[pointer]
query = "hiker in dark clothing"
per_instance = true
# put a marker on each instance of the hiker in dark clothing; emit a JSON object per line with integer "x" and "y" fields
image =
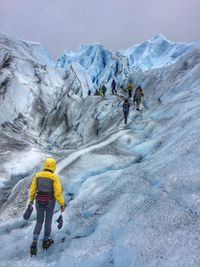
{"x": 96, "y": 92}
{"x": 126, "y": 106}
{"x": 138, "y": 97}
{"x": 113, "y": 85}
{"x": 104, "y": 89}
{"x": 89, "y": 92}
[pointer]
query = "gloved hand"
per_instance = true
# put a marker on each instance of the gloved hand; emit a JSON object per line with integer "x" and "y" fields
{"x": 60, "y": 221}
{"x": 28, "y": 212}
{"x": 62, "y": 208}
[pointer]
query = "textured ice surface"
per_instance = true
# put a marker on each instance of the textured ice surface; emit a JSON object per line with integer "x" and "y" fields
{"x": 132, "y": 191}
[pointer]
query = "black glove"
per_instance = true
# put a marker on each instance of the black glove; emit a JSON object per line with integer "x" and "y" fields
{"x": 27, "y": 213}
{"x": 60, "y": 221}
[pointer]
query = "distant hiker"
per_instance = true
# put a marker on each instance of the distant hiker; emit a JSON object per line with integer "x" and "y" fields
{"x": 89, "y": 92}
{"x": 104, "y": 89}
{"x": 46, "y": 190}
{"x": 129, "y": 88}
{"x": 126, "y": 106}
{"x": 138, "y": 97}
{"x": 113, "y": 85}
{"x": 100, "y": 92}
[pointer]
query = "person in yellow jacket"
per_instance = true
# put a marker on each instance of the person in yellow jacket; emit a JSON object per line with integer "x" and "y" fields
{"x": 46, "y": 190}
{"x": 129, "y": 88}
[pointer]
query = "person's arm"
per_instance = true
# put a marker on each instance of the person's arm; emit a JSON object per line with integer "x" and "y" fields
{"x": 58, "y": 191}
{"x": 33, "y": 190}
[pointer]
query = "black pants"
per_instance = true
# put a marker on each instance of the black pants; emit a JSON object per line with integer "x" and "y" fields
{"x": 125, "y": 116}
{"x": 129, "y": 93}
{"x": 114, "y": 91}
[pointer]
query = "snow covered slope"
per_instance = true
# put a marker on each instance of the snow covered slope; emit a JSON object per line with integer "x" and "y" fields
{"x": 156, "y": 53}
{"x": 100, "y": 63}
{"x": 27, "y": 81}
{"x": 94, "y": 58}
{"x": 132, "y": 192}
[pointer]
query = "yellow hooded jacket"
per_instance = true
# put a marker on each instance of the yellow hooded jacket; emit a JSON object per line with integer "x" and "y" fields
{"x": 46, "y": 181}
{"x": 129, "y": 86}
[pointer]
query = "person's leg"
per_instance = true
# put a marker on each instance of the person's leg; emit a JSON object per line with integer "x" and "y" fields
{"x": 139, "y": 102}
{"x": 136, "y": 104}
{"x": 48, "y": 219}
{"x": 125, "y": 117}
{"x": 40, "y": 219}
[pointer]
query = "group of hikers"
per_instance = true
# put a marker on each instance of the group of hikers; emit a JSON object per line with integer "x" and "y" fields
{"x": 137, "y": 98}
{"x": 102, "y": 90}
{"x": 46, "y": 188}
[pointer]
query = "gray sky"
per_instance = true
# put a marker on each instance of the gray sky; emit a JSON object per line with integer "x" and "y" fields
{"x": 117, "y": 24}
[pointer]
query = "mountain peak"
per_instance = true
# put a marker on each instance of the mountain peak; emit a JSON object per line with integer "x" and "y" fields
{"x": 159, "y": 36}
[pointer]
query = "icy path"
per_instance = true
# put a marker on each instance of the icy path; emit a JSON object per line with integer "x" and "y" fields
{"x": 20, "y": 231}
{"x": 130, "y": 202}
{"x": 74, "y": 156}
{"x": 133, "y": 200}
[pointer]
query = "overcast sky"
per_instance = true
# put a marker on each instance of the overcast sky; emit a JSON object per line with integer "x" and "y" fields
{"x": 117, "y": 24}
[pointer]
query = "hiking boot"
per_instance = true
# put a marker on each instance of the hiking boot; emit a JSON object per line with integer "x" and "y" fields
{"x": 33, "y": 248}
{"x": 138, "y": 109}
{"x": 46, "y": 244}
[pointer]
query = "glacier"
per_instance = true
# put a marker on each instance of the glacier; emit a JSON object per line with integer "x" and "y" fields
{"x": 132, "y": 191}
